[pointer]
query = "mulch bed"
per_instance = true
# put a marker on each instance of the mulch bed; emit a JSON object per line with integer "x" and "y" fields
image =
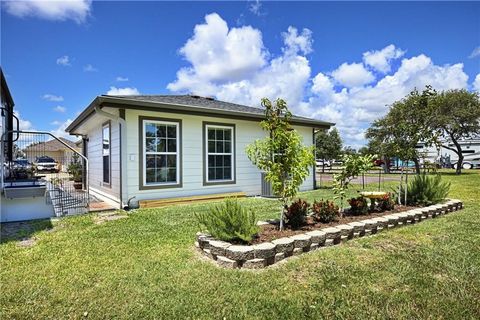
{"x": 271, "y": 232}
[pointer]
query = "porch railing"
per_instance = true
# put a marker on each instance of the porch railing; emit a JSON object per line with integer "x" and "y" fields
{"x": 40, "y": 160}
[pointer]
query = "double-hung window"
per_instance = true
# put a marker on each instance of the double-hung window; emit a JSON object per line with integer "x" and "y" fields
{"x": 219, "y": 162}
{"x": 106, "y": 153}
{"x": 161, "y": 153}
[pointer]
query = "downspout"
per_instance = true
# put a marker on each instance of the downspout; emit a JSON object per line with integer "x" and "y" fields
{"x": 122, "y": 138}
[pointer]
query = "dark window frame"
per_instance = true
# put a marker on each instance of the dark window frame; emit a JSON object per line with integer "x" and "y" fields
{"x": 205, "y": 153}
{"x": 142, "y": 154}
{"x": 108, "y": 125}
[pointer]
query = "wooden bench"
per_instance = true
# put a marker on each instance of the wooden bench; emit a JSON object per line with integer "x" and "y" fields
{"x": 157, "y": 203}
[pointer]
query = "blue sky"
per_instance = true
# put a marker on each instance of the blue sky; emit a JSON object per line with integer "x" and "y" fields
{"x": 337, "y": 61}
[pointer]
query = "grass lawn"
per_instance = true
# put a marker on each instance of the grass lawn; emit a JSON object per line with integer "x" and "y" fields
{"x": 145, "y": 267}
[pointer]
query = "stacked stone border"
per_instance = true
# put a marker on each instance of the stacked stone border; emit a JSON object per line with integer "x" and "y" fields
{"x": 267, "y": 253}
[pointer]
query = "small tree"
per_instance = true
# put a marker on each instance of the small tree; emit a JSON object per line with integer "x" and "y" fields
{"x": 457, "y": 116}
{"x": 283, "y": 157}
{"x": 328, "y": 145}
{"x": 353, "y": 166}
{"x": 407, "y": 123}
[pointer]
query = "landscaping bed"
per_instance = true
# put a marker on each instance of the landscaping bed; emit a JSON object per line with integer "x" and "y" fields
{"x": 267, "y": 253}
{"x": 270, "y": 231}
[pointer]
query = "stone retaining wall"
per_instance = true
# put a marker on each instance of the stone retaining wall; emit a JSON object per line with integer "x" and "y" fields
{"x": 267, "y": 253}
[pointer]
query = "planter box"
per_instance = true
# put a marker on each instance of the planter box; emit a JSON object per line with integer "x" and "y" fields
{"x": 267, "y": 253}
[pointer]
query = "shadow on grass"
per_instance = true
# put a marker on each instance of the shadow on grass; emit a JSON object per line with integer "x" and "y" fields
{"x": 15, "y": 231}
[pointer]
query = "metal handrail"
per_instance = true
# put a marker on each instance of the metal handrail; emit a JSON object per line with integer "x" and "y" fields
{"x": 18, "y": 122}
{"x": 54, "y": 137}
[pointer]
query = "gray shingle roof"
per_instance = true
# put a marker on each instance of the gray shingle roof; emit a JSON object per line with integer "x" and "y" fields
{"x": 51, "y": 145}
{"x": 187, "y": 104}
{"x": 198, "y": 101}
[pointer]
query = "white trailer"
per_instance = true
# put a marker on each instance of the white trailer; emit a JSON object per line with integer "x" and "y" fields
{"x": 448, "y": 158}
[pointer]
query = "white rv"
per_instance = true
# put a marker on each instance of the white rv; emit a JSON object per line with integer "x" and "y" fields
{"x": 448, "y": 158}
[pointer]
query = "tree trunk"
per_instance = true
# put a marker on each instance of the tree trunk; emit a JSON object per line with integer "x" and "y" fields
{"x": 458, "y": 151}
{"x": 386, "y": 165}
{"x": 417, "y": 165}
{"x": 459, "y": 164}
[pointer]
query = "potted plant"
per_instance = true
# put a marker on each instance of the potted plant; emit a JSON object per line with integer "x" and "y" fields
{"x": 77, "y": 180}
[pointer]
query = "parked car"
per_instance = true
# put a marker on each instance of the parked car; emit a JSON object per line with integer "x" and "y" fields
{"x": 378, "y": 162}
{"x": 45, "y": 163}
{"x": 322, "y": 162}
{"x": 21, "y": 164}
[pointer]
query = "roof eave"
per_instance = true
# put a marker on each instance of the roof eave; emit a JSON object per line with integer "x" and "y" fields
{"x": 179, "y": 108}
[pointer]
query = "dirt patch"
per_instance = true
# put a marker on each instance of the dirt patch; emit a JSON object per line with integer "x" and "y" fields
{"x": 269, "y": 232}
{"x": 27, "y": 242}
{"x": 110, "y": 216}
{"x": 23, "y": 231}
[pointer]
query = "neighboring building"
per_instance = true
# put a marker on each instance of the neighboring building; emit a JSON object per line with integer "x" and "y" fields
{"x": 53, "y": 149}
{"x": 166, "y": 146}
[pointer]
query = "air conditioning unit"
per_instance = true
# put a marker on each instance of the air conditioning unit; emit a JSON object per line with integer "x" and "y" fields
{"x": 266, "y": 187}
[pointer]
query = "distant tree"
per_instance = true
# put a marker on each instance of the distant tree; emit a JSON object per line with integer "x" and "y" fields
{"x": 457, "y": 116}
{"x": 282, "y": 155}
{"x": 408, "y": 122}
{"x": 347, "y": 150}
{"x": 328, "y": 145}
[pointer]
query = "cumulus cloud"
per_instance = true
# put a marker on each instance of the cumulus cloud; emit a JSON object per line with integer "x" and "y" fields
{"x": 217, "y": 54}
{"x": 121, "y": 79}
{"x": 64, "y": 61}
{"x": 476, "y": 83}
{"x": 60, "y": 130}
{"x": 127, "y": 91}
{"x": 55, "y": 10}
{"x": 380, "y": 60}
{"x": 60, "y": 109}
{"x": 23, "y": 124}
{"x": 352, "y": 95}
{"x": 89, "y": 68}
{"x": 52, "y": 97}
{"x": 352, "y": 75}
{"x": 232, "y": 64}
{"x": 475, "y": 53}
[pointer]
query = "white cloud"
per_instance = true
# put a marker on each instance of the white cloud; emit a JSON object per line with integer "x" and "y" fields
{"x": 476, "y": 83}
{"x": 127, "y": 91}
{"x": 56, "y": 10}
{"x": 298, "y": 42}
{"x": 217, "y": 54}
{"x": 60, "y": 130}
{"x": 380, "y": 59}
{"x": 89, "y": 68}
{"x": 64, "y": 61}
{"x": 350, "y": 96}
{"x": 233, "y": 64}
{"x": 52, "y": 97}
{"x": 23, "y": 124}
{"x": 352, "y": 75}
{"x": 256, "y": 8}
{"x": 55, "y": 123}
{"x": 121, "y": 79}
{"x": 60, "y": 109}
{"x": 475, "y": 53}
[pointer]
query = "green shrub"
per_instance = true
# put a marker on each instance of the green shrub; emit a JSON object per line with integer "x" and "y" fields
{"x": 296, "y": 213}
{"x": 426, "y": 190}
{"x": 358, "y": 206}
{"x": 324, "y": 211}
{"x": 229, "y": 221}
{"x": 387, "y": 202}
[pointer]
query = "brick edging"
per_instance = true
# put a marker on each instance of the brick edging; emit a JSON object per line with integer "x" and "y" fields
{"x": 267, "y": 253}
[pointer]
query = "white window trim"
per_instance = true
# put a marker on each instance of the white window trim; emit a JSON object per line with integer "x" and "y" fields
{"x": 177, "y": 153}
{"x": 231, "y": 154}
{"x": 108, "y": 125}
